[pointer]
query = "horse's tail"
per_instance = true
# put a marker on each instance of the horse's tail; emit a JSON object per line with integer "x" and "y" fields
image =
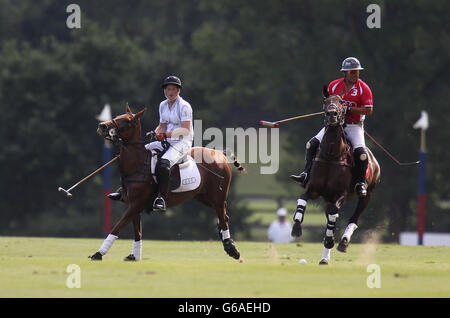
{"x": 236, "y": 163}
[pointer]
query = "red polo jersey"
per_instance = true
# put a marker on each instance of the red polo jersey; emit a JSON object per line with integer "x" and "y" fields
{"x": 359, "y": 95}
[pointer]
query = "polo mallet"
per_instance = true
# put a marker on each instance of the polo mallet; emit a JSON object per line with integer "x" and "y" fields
{"x": 275, "y": 124}
{"x": 391, "y": 156}
{"x": 67, "y": 192}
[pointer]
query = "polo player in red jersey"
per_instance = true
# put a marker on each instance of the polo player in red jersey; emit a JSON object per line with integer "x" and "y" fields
{"x": 358, "y": 101}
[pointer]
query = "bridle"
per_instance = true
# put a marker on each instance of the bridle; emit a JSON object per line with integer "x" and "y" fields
{"x": 115, "y": 132}
{"x": 336, "y": 116}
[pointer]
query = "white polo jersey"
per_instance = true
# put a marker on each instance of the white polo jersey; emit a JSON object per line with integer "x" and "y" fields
{"x": 180, "y": 111}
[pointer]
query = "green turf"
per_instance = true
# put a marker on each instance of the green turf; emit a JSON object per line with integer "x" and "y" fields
{"x": 264, "y": 218}
{"x": 36, "y": 267}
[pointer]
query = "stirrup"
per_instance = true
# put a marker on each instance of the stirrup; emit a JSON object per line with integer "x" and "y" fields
{"x": 159, "y": 206}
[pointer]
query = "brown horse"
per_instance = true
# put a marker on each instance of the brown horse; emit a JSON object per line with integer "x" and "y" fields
{"x": 140, "y": 189}
{"x": 332, "y": 178}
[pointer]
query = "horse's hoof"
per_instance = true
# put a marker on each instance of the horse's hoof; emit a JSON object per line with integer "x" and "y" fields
{"x": 342, "y": 247}
{"x": 324, "y": 261}
{"x": 230, "y": 248}
{"x": 296, "y": 229}
{"x": 96, "y": 257}
{"x": 130, "y": 258}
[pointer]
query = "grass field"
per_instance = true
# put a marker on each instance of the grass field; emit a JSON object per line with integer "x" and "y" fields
{"x": 36, "y": 267}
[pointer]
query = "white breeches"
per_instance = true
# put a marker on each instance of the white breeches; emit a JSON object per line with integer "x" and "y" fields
{"x": 355, "y": 134}
{"x": 177, "y": 151}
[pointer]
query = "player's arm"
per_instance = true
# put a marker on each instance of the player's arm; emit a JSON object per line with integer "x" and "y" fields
{"x": 365, "y": 110}
{"x": 184, "y": 130}
{"x": 162, "y": 128}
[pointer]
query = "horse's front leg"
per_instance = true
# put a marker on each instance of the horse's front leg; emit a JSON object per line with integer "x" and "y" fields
{"x": 299, "y": 214}
{"x": 136, "y": 251}
{"x": 131, "y": 212}
{"x": 332, "y": 217}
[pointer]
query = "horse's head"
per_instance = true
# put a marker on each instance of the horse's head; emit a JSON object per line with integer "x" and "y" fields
{"x": 122, "y": 127}
{"x": 333, "y": 106}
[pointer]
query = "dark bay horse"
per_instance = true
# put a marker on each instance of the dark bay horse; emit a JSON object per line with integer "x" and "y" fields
{"x": 332, "y": 178}
{"x": 141, "y": 189}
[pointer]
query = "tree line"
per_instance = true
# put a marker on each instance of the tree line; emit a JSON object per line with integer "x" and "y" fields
{"x": 240, "y": 61}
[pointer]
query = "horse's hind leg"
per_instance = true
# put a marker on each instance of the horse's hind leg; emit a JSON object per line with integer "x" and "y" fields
{"x": 222, "y": 225}
{"x": 328, "y": 242}
{"x": 136, "y": 251}
{"x": 352, "y": 224}
{"x": 224, "y": 232}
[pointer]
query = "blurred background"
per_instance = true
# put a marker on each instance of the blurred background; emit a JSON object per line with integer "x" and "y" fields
{"x": 240, "y": 62}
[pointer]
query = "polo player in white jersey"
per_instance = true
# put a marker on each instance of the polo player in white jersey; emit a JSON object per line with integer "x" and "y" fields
{"x": 175, "y": 127}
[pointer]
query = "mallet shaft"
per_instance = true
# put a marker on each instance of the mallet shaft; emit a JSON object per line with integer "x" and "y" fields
{"x": 389, "y": 154}
{"x": 276, "y": 123}
{"x": 93, "y": 173}
{"x": 298, "y": 117}
{"x": 87, "y": 177}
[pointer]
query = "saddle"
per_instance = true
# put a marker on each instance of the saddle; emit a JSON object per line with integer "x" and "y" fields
{"x": 184, "y": 175}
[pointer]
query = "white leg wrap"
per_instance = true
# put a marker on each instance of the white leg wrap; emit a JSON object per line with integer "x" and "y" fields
{"x": 225, "y": 234}
{"x": 326, "y": 253}
{"x": 298, "y": 216}
{"x": 137, "y": 250}
{"x": 329, "y": 232}
{"x": 333, "y": 217}
{"x": 349, "y": 231}
{"x": 107, "y": 243}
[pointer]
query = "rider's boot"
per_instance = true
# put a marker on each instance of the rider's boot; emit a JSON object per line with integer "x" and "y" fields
{"x": 117, "y": 195}
{"x": 163, "y": 179}
{"x": 361, "y": 164}
{"x": 311, "y": 150}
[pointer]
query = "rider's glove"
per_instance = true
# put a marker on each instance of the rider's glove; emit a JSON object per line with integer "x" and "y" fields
{"x": 161, "y": 137}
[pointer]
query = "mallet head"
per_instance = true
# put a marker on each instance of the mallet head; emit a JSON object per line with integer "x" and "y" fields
{"x": 67, "y": 193}
{"x": 269, "y": 124}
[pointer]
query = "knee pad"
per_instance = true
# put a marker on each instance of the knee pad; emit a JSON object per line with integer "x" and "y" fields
{"x": 360, "y": 154}
{"x": 312, "y": 143}
{"x": 163, "y": 165}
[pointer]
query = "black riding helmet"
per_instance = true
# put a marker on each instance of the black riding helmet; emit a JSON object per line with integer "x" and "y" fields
{"x": 173, "y": 80}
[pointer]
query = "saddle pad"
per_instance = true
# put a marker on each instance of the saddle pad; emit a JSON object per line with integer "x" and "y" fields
{"x": 189, "y": 175}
